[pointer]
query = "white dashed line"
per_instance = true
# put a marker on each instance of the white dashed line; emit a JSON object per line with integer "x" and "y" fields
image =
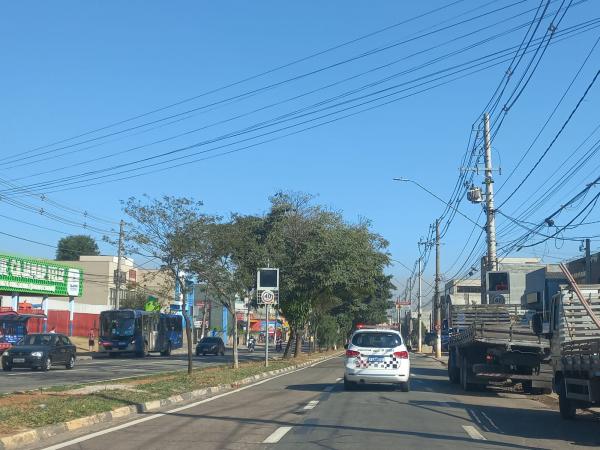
{"x": 473, "y": 433}
{"x": 155, "y": 416}
{"x": 338, "y": 379}
{"x": 311, "y": 404}
{"x": 276, "y": 436}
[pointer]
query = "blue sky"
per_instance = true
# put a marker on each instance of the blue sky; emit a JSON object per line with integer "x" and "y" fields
{"x": 72, "y": 67}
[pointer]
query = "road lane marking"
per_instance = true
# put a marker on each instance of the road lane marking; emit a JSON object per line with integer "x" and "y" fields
{"x": 338, "y": 379}
{"x": 311, "y": 404}
{"x": 87, "y": 437}
{"x": 473, "y": 433}
{"x": 276, "y": 436}
{"x": 490, "y": 421}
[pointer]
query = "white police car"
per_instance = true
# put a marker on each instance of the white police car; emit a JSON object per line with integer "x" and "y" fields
{"x": 377, "y": 356}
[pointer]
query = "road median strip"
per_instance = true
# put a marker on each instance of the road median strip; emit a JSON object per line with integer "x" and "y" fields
{"x": 58, "y": 411}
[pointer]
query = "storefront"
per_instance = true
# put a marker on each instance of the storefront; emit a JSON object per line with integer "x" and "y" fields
{"x": 31, "y": 281}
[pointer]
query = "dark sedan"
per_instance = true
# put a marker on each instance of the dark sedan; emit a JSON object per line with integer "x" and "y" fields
{"x": 40, "y": 351}
{"x": 210, "y": 345}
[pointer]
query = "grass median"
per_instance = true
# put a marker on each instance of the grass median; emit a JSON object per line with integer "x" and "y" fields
{"x": 23, "y": 411}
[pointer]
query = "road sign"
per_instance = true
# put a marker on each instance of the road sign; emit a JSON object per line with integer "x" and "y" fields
{"x": 267, "y": 297}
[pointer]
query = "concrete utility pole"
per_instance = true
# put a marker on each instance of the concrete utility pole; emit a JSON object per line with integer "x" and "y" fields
{"x": 588, "y": 262}
{"x": 420, "y": 338}
{"x": 436, "y": 302}
{"x": 119, "y": 257}
{"x": 492, "y": 262}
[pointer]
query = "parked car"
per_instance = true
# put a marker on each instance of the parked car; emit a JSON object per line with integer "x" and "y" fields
{"x": 210, "y": 345}
{"x": 40, "y": 351}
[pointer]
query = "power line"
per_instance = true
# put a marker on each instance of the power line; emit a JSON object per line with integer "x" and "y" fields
{"x": 253, "y": 77}
{"x": 52, "y": 184}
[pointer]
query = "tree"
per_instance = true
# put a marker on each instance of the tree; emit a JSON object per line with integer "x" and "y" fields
{"x": 70, "y": 248}
{"x": 172, "y": 230}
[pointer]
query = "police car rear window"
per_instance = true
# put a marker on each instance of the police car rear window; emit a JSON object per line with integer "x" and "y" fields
{"x": 376, "y": 340}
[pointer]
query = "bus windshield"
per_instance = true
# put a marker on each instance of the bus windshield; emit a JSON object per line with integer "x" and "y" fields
{"x": 115, "y": 324}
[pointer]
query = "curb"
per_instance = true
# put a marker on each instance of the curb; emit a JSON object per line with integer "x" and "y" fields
{"x": 441, "y": 361}
{"x": 35, "y": 435}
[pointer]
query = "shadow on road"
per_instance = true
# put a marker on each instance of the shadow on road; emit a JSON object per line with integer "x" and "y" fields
{"x": 533, "y": 424}
{"x": 349, "y": 428}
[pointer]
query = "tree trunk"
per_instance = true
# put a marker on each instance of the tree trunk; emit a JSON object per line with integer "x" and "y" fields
{"x": 298, "y": 349}
{"x": 286, "y": 353}
{"x": 204, "y": 314}
{"x": 188, "y": 335}
{"x": 236, "y": 363}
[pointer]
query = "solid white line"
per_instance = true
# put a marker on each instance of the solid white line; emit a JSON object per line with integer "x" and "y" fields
{"x": 276, "y": 436}
{"x": 311, "y": 404}
{"x": 158, "y": 415}
{"x": 473, "y": 433}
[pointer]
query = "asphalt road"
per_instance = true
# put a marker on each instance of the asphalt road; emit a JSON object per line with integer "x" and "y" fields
{"x": 105, "y": 369}
{"x": 309, "y": 409}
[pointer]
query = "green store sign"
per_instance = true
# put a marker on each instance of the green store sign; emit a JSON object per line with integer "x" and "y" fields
{"x": 31, "y": 276}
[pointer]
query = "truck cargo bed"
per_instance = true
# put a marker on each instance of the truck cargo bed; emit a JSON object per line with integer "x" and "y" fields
{"x": 493, "y": 324}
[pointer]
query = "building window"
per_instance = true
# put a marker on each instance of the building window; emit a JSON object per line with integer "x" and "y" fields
{"x": 468, "y": 289}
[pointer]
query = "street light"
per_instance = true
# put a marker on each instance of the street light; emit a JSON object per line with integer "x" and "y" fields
{"x": 454, "y": 208}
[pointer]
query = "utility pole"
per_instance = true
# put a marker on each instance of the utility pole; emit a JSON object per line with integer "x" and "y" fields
{"x": 119, "y": 257}
{"x": 588, "y": 262}
{"x": 492, "y": 262}
{"x": 436, "y": 302}
{"x": 420, "y": 338}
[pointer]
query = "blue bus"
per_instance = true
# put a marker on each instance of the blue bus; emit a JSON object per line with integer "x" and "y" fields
{"x": 139, "y": 332}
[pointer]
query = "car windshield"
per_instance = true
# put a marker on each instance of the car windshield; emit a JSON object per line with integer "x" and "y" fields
{"x": 376, "y": 340}
{"x": 210, "y": 340}
{"x": 36, "y": 339}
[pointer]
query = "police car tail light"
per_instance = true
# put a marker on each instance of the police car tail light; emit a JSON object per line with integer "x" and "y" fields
{"x": 402, "y": 355}
{"x": 352, "y": 353}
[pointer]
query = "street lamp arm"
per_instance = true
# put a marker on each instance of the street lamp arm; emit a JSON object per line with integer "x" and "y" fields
{"x": 439, "y": 198}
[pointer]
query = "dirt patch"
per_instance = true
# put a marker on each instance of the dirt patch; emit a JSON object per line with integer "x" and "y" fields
{"x": 99, "y": 388}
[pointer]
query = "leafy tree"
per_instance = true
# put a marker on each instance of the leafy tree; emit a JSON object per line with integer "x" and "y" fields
{"x": 172, "y": 230}
{"x": 70, "y": 248}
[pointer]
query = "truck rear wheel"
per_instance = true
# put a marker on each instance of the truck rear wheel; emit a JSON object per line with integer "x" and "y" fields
{"x": 453, "y": 371}
{"x": 464, "y": 375}
{"x": 565, "y": 405}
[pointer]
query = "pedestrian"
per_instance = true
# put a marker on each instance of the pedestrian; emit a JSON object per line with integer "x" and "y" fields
{"x": 91, "y": 340}
{"x": 53, "y": 330}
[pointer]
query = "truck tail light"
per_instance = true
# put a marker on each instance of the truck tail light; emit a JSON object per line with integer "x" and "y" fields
{"x": 489, "y": 359}
{"x": 352, "y": 353}
{"x": 402, "y": 355}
